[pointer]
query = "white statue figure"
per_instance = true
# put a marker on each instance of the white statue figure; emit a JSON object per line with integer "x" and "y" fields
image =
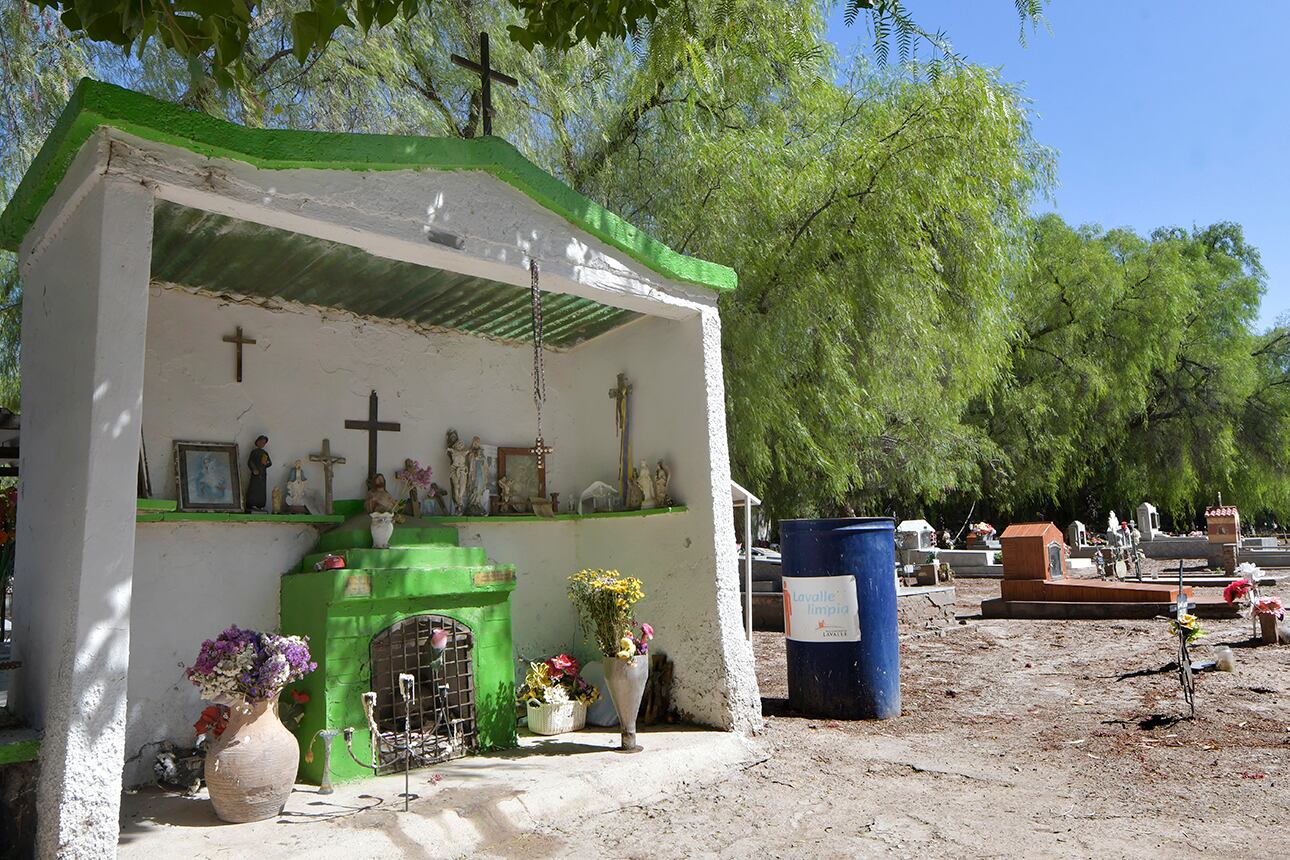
{"x": 458, "y": 472}
{"x": 297, "y": 486}
{"x": 476, "y": 479}
{"x": 662, "y": 477}
{"x": 1113, "y": 535}
{"x": 646, "y": 484}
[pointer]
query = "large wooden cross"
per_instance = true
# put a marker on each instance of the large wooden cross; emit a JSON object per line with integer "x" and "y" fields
{"x": 486, "y": 77}
{"x": 238, "y": 340}
{"x": 372, "y": 426}
{"x": 328, "y": 463}
{"x": 621, "y": 395}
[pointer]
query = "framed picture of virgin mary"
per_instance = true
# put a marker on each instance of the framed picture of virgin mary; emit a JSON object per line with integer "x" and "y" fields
{"x": 208, "y": 478}
{"x": 524, "y": 478}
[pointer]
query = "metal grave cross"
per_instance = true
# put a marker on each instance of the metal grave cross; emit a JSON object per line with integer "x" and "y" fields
{"x": 372, "y": 426}
{"x": 486, "y": 77}
{"x": 238, "y": 340}
{"x": 328, "y": 463}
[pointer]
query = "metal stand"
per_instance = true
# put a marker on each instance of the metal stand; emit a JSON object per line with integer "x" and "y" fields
{"x": 327, "y": 735}
{"x": 1185, "y": 676}
{"x": 407, "y": 690}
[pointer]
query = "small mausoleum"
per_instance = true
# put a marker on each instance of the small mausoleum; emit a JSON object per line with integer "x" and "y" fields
{"x": 232, "y": 335}
{"x": 1223, "y": 524}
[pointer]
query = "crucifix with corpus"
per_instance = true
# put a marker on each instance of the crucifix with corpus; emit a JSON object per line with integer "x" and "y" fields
{"x": 486, "y": 77}
{"x": 373, "y": 426}
{"x": 329, "y": 464}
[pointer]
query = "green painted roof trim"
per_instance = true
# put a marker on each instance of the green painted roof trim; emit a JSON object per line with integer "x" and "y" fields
{"x": 95, "y": 104}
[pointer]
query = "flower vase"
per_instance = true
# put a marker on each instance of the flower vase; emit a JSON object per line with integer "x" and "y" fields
{"x": 626, "y": 682}
{"x": 251, "y": 767}
{"x": 382, "y": 529}
{"x": 1267, "y": 629}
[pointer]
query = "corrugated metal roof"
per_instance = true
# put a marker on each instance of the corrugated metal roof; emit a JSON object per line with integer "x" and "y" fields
{"x": 222, "y": 255}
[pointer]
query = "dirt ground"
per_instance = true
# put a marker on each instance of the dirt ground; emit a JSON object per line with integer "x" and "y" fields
{"x": 1017, "y": 739}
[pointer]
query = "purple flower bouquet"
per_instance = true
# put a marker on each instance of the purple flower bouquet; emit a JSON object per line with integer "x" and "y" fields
{"x": 243, "y": 665}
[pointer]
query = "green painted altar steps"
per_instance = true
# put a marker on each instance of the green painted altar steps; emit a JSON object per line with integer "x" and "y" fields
{"x": 423, "y": 572}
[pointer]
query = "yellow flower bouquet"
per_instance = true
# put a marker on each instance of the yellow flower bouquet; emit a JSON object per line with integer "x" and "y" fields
{"x": 604, "y": 601}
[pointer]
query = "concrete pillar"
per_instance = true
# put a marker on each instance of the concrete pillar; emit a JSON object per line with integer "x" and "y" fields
{"x": 85, "y": 306}
{"x": 740, "y": 692}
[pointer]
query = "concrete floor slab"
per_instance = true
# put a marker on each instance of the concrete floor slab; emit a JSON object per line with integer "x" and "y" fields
{"x": 458, "y": 807}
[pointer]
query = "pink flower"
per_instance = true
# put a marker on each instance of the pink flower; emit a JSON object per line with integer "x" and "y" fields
{"x": 561, "y": 665}
{"x": 438, "y": 639}
{"x": 1237, "y": 589}
{"x": 647, "y": 631}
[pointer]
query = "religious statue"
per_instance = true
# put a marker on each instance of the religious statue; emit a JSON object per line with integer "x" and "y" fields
{"x": 646, "y": 484}
{"x": 947, "y": 539}
{"x": 504, "y": 494}
{"x": 458, "y": 472}
{"x": 634, "y": 496}
{"x": 621, "y": 395}
{"x": 476, "y": 479}
{"x": 662, "y": 477}
{"x": 258, "y": 465}
{"x": 379, "y": 500}
{"x": 297, "y": 485}
{"x": 278, "y": 507}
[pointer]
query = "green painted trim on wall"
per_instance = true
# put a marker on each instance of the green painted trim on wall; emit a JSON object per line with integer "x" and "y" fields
{"x": 95, "y": 104}
{"x": 355, "y": 506}
{"x": 156, "y": 504}
{"x": 19, "y": 751}
{"x": 190, "y": 517}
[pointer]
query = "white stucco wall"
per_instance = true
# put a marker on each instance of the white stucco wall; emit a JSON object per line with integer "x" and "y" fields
{"x": 191, "y": 580}
{"x": 310, "y": 370}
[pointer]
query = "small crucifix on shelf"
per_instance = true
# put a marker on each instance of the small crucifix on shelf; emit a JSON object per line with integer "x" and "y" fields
{"x": 372, "y": 426}
{"x": 486, "y": 77}
{"x": 329, "y": 463}
{"x": 238, "y": 341}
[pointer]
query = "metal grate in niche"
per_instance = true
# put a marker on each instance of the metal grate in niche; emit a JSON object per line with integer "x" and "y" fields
{"x": 441, "y": 717}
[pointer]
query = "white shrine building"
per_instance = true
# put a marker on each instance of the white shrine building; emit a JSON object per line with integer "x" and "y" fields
{"x": 356, "y": 263}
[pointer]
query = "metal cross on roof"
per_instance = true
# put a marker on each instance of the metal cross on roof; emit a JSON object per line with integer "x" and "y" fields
{"x": 486, "y": 77}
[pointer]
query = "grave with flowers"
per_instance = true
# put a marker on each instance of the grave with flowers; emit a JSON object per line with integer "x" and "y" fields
{"x": 200, "y": 294}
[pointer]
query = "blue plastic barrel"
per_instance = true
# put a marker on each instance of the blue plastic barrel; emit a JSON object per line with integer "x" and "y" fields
{"x": 843, "y": 650}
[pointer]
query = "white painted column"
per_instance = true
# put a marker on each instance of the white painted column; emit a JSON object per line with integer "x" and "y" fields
{"x": 85, "y": 272}
{"x": 740, "y": 692}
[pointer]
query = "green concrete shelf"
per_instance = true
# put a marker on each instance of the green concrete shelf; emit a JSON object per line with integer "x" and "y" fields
{"x": 18, "y": 745}
{"x": 153, "y": 505}
{"x": 531, "y": 518}
{"x": 283, "y": 519}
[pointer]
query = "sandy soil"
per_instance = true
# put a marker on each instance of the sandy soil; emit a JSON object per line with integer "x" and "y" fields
{"x": 1017, "y": 739}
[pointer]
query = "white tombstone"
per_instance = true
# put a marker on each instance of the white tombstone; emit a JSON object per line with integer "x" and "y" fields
{"x": 1076, "y": 534}
{"x": 1148, "y": 521}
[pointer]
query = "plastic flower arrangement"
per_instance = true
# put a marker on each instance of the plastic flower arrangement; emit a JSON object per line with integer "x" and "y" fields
{"x": 1237, "y": 589}
{"x": 1269, "y": 606}
{"x": 247, "y": 666}
{"x": 413, "y": 476}
{"x": 635, "y": 640}
{"x": 1188, "y": 623}
{"x": 554, "y": 681}
{"x": 604, "y": 601}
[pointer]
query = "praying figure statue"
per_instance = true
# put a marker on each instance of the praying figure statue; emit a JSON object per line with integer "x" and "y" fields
{"x": 504, "y": 494}
{"x": 258, "y": 465}
{"x": 476, "y": 479}
{"x": 297, "y": 485}
{"x": 646, "y": 484}
{"x": 662, "y": 477}
{"x": 458, "y": 472}
{"x": 379, "y": 500}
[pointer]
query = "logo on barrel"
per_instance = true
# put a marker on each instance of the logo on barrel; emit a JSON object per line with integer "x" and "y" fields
{"x": 821, "y": 609}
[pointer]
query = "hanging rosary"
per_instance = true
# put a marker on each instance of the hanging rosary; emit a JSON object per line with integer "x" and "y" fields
{"x": 539, "y": 369}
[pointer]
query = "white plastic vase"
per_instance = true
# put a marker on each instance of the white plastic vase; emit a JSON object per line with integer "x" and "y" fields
{"x": 382, "y": 529}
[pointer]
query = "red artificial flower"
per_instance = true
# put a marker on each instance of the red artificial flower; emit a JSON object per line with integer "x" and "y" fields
{"x": 561, "y": 665}
{"x": 212, "y": 722}
{"x": 300, "y": 697}
{"x": 1237, "y": 589}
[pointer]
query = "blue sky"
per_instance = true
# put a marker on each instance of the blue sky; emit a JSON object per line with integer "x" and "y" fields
{"x": 1162, "y": 114}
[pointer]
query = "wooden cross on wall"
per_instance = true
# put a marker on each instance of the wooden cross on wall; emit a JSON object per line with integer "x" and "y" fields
{"x": 486, "y": 77}
{"x": 372, "y": 426}
{"x": 238, "y": 340}
{"x": 328, "y": 463}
